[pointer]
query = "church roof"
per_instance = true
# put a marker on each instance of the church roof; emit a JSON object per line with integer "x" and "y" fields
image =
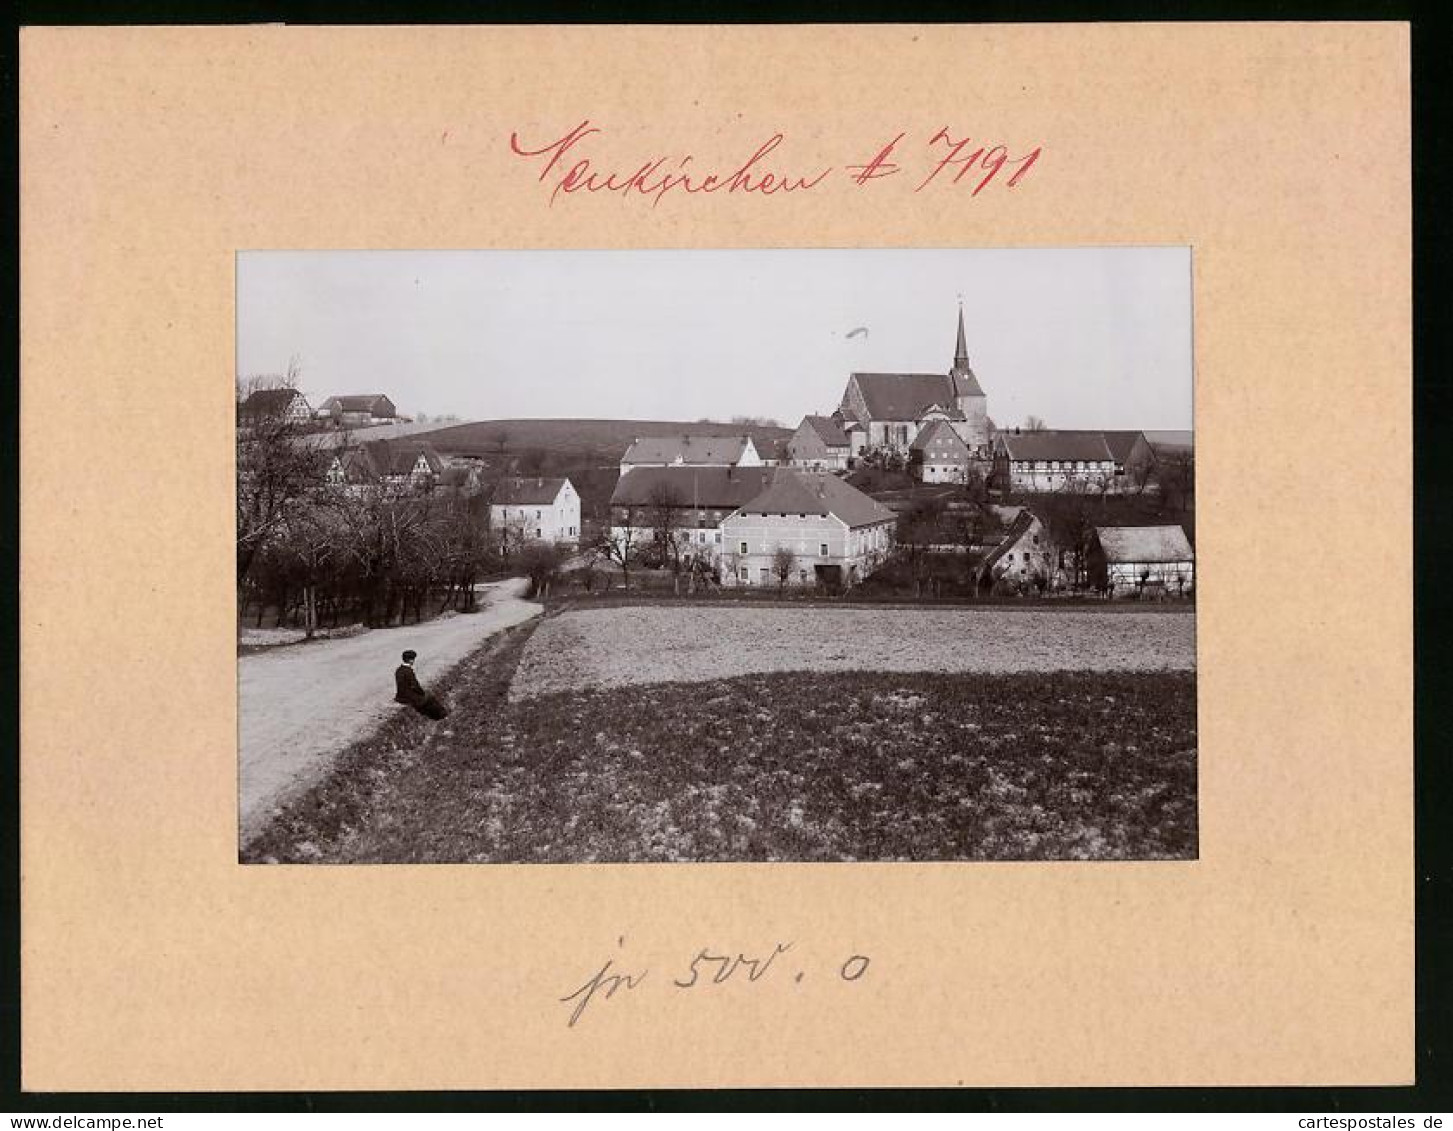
{"x": 806, "y": 492}
{"x": 965, "y": 383}
{"x": 703, "y": 451}
{"x": 903, "y": 396}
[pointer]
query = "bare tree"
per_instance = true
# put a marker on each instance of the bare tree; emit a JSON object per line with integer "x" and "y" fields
{"x": 784, "y": 561}
{"x": 618, "y": 544}
{"x": 541, "y": 562}
{"x": 756, "y": 421}
{"x": 276, "y": 467}
{"x": 919, "y": 529}
{"x": 664, "y": 515}
{"x": 1071, "y": 514}
{"x": 1034, "y": 424}
{"x": 1176, "y": 477}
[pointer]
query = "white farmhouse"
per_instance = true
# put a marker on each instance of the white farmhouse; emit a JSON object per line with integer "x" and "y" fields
{"x": 1053, "y": 459}
{"x": 1142, "y": 560}
{"x": 536, "y": 510}
{"x": 836, "y": 534}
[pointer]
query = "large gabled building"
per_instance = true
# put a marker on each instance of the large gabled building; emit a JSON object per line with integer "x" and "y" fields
{"x": 835, "y": 534}
{"x": 891, "y": 409}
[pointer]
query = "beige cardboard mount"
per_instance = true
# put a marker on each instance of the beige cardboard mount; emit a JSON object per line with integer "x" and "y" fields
{"x": 152, "y": 960}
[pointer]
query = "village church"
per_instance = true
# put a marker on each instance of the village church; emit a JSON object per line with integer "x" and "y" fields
{"x": 890, "y": 410}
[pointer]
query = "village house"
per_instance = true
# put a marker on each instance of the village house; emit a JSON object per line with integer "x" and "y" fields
{"x": 287, "y": 405}
{"x": 819, "y": 444}
{"x": 1053, "y": 459}
{"x": 535, "y": 509}
{"x": 399, "y": 464}
{"x": 835, "y": 533}
{"x": 1141, "y": 560}
{"x": 694, "y": 500}
{"x": 1026, "y": 556}
{"x": 891, "y": 409}
{"x": 939, "y": 454}
{"x": 772, "y": 451}
{"x": 691, "y": 450}
{"x": 354, "y": 410}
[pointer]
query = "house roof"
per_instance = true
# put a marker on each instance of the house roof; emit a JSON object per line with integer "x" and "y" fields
{"x": 456, "y": 475}
{"x": 940, "y": 431}
{"x": 527, "y": 491}
{"x": 1056, "y": 443}
{"x": 378, "y": 458}
{"x": 702, "y": 451}
{"x": 360, "y": 402}
{"x": 1144, "y": 544}
{"x": 1121, "y": 443}
{"x": 1023, "y": 522}
{"x": 269, "y": 402}
{"x": 715, "y": 488}
{"x": 828, "y": 430}
{"x": 904, "y": 396}
{"x": 791, "y": 491}
{"x": 772, "y": 448}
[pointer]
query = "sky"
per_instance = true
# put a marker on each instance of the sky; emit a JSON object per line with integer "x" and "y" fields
{"x": 1080, "y": 337}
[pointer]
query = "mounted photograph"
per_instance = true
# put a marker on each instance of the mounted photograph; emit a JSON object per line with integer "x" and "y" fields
{"x": 716, "y": 556}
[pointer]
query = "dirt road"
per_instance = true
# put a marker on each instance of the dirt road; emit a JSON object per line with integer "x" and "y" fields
{"x": 301, "y": 705}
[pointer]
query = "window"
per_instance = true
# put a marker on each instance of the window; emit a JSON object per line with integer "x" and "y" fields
{"x": 718, "y": 537}
{"x": 822, "y": 549}
{"x": 744, "y": 547}
{"x": 762, "y": 573}
{"x": 537, "y": 514}
{"x": 802, "y": 575}
{"x": 744, "y": 574}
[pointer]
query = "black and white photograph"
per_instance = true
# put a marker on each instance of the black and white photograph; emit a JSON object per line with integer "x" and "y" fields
{"x": 716, "y": 556}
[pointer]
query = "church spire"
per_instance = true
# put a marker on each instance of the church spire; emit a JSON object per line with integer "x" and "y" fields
{"x": 961, "y": 353}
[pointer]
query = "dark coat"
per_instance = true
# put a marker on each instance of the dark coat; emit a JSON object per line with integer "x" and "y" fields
{"x": 410, "y": 691}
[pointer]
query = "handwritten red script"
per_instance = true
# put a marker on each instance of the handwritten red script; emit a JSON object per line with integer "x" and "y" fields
{"x": 570, "y": 164}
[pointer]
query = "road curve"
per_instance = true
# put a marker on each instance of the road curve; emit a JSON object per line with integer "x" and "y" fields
{"x": 300, "y": 706}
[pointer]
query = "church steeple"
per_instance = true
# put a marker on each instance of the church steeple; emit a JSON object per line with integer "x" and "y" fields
{"x": 961, "y": 353}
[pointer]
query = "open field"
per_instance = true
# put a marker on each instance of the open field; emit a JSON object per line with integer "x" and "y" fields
{"x": 619, "y": 647}
{"x": 800, "y": 766}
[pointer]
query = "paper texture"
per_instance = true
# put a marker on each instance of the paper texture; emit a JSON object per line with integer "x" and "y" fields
{"x": 153, "y": 961}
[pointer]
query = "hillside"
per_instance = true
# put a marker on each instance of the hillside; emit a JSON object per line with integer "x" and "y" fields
{"x": 587, "y": 451}
{"x": 591, "y": 440}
